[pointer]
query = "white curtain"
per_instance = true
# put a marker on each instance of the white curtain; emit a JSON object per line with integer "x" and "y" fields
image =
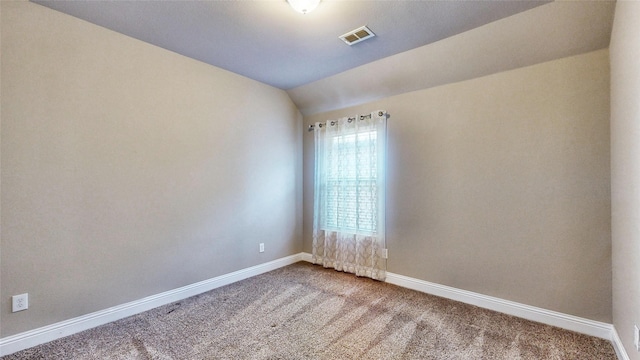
{"x": 349, "y": 195}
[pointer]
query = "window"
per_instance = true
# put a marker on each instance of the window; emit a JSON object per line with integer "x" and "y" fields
{"x": 351, "y": 184}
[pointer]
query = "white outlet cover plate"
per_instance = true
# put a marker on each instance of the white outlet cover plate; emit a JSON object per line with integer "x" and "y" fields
{"x": 636, "y": 337}
{"x": 19, "y": 302}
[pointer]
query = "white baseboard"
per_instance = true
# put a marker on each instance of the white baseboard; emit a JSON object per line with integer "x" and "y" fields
{"x": 549, "y": 317}
{"x": 55, "y": 331}
{"x": 618, "y": 346}
{"x": 11, "y": 344}
{"x": 306, "y": 257}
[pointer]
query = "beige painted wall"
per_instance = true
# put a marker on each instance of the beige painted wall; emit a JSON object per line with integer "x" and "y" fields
{"x": 128, "y": 170}
{"x": 625, "y": 170}
{"x": 501, "y": 185}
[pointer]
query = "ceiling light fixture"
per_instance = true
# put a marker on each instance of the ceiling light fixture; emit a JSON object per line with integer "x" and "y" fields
{"x": 304, "y": 6}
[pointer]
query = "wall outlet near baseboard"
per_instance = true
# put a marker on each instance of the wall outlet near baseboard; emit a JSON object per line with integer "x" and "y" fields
{"x": 261, "y": 247}
{"x": 636, "y": 337}
{"x": 19, "y": 302}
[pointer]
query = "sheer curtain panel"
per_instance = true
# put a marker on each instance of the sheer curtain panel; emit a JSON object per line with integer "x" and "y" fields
{"x": 349, "y": 195}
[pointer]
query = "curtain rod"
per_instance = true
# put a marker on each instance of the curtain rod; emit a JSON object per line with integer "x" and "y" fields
{"x": 362, "y": 117}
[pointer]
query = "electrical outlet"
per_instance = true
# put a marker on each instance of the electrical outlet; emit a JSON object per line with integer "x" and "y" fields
{"x": 261, "y": 247}
{"x": 19, "y": 302}
{"x": 385, "y": 253}
{"x": 636, "y": 337}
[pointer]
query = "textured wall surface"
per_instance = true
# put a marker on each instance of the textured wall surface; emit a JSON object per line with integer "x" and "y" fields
{"x": 625, "y": 170}
{"x": 501, "y": 185}
{"x": 128, "y": 170}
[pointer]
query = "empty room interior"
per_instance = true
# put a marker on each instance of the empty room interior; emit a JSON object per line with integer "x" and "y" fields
{"x": 163, "y": 155}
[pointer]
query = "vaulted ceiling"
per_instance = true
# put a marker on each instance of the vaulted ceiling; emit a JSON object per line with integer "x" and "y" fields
{"x": 418, "y": 44}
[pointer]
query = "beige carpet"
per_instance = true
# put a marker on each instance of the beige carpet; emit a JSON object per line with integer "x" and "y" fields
{"x": 307, "y": 312}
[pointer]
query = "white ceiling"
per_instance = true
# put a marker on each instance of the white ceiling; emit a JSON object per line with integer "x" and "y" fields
{"x": 548, "y": 32}
{"x": 268, "y": 41}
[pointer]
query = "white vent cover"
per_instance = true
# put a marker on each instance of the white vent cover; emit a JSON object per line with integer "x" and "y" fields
{"x": 355, "y": 36}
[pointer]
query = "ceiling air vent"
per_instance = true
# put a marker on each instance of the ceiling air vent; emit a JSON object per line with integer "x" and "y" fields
{"x": 357, "y": 35}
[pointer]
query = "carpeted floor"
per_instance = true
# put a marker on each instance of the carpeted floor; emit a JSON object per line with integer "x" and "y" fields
{"x": 306, "y": 312}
